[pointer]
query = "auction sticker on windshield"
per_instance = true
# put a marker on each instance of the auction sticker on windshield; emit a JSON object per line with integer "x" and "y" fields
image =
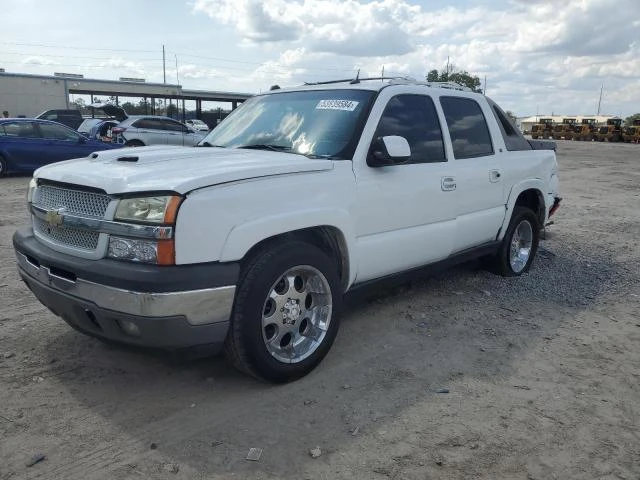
{"x": 346, "y": 105}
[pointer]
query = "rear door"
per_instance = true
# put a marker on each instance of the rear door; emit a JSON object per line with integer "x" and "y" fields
{"x": 149, "y": 131}
{"x": 21, "y": 142}
{"x": 175, "y": 132}
{"x": 480, "y": 205}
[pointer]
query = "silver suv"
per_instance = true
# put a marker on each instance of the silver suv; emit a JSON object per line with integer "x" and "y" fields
{"x": 138, "y": 131}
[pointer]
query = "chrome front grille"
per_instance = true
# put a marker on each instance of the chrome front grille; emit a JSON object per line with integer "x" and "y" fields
{"x": 68, "y": 237}
{"x": 75, "y": 202}
{"x": 80, "y": 202}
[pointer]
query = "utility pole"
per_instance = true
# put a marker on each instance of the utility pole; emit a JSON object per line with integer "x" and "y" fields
{"x": 164, "y": 79}
{"x": 382, "y": 71}
{"x": 446, "y": 78}
{"x": 484, "y": 90}
{"x": 600, "y": 99}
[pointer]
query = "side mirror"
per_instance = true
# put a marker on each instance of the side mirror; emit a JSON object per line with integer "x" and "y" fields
{"x": 82, "y": 139}
{"x": 389, "y": 150}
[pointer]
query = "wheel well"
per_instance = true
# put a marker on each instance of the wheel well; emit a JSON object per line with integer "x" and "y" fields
{"x": 533, "y": 200}
{"x": 328, "y": 239}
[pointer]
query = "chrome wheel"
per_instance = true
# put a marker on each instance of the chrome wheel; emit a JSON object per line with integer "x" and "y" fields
{"x": 296, "y": 314}
{"x": 521, "y": 246}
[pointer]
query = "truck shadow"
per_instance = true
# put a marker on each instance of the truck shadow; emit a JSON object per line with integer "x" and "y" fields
{"x": 396, "y": 348}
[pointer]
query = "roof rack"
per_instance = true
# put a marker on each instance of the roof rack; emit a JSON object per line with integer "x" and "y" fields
{"x": 397, "y": 81}
{"x": 352, "y": 80}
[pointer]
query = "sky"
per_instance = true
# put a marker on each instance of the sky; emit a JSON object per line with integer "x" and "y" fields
{"x": 538, "y": 57}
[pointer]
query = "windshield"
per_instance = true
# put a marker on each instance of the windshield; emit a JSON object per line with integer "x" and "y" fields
{"x": 317, "y": 123}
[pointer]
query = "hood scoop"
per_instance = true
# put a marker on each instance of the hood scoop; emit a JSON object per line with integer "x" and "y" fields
{"x": 128, "y": 159}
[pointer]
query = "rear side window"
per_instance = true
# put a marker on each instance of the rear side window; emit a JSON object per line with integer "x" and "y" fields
{"x": 172, "y": 126}
{"x": 414, "y": 117}
{"x": 150, "y": 123}
{"x": 513, "y": 139}
{"x": 467, "y": 127}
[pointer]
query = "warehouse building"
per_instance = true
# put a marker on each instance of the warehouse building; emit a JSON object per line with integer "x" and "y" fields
{"x": 29, "y": 95}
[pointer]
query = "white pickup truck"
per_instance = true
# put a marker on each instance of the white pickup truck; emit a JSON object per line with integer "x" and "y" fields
{"x": 251, "y": 239}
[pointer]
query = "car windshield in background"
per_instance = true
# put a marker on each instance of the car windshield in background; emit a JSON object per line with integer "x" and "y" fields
{"x": 315, "y": 123}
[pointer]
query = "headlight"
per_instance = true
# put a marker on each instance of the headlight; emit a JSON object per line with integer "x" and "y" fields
{"x": 160, "y": 209}
{"x": 33, "y": 184}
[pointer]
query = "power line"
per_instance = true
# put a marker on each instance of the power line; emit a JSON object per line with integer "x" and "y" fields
{"x": 75, "y": 47}
{"x": 31, "y": 54}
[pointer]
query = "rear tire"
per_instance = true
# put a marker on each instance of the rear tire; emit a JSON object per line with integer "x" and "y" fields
{"x": 519, "y": 246}
{"x": 286, "y": 312}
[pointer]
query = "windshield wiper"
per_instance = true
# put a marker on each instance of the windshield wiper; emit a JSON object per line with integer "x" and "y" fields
{"x": 322, "y": 157}
{"x": 207, "y": 144}
{"x": 264, "y": 146}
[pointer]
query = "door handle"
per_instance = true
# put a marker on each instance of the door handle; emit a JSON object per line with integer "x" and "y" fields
{"x": 448, "y": 184}
{"x": 494, "y": 176}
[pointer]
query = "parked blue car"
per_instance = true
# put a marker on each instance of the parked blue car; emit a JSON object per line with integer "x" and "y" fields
{"x": 28, "y": 143}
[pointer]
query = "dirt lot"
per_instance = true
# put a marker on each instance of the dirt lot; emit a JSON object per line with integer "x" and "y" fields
{"x": 543, "y": 371}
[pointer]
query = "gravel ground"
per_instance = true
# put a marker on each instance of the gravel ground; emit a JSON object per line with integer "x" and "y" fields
{"x": 542, "y": 371}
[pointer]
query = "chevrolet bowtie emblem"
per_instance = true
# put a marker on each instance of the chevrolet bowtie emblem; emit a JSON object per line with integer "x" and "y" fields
{"x": 54, "y": 217}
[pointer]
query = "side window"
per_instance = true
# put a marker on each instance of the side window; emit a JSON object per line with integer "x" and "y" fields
{"x": 467, "y": 126}
{"x": 513, "y": 139}
{"x": 172, "y": 126}
{"x": 19, "y": 130}
{"x": 507, "y": 126}
{"x": 149, "y": 123}
{"x": 414, "y": 117}
{"x": 57, "y": 132}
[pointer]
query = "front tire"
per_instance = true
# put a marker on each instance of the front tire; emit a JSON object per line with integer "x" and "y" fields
{"x": 286, "y": 312}
{"x": 519, "y": 245}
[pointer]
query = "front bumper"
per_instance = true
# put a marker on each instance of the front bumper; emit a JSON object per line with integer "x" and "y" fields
{"x": 166, "y": 307}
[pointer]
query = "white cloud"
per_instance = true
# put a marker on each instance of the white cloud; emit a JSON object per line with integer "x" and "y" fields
{"x": 36, "y": 60}
{"x": 535, "y": 54}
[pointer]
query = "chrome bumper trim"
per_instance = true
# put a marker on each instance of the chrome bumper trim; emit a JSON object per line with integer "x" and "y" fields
{"x": 79, "y": 222}
{"x": 208, "y": 305}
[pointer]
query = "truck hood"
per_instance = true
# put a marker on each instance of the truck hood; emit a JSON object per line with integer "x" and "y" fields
{"x": 177, "y": 169}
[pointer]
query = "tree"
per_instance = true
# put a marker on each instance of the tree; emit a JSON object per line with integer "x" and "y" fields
{"x": 629, "y": 120}
{"x": 461, "y": 77}
{"x": 172, "y": 110}
{"x": 80, "y": 104}
{"x": 129, "y": 107}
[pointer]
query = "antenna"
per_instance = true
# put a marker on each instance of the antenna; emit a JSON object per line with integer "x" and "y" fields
{"x": 357, "y": 79}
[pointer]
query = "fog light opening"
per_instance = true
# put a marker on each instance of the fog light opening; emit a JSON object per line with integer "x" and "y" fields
{"x": 129, "y": 327}
{"x": 92, "y": 318}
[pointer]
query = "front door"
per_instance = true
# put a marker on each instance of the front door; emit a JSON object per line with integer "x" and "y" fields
{"x": 405, "y": 213}
{"x": 23, "y": 144}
